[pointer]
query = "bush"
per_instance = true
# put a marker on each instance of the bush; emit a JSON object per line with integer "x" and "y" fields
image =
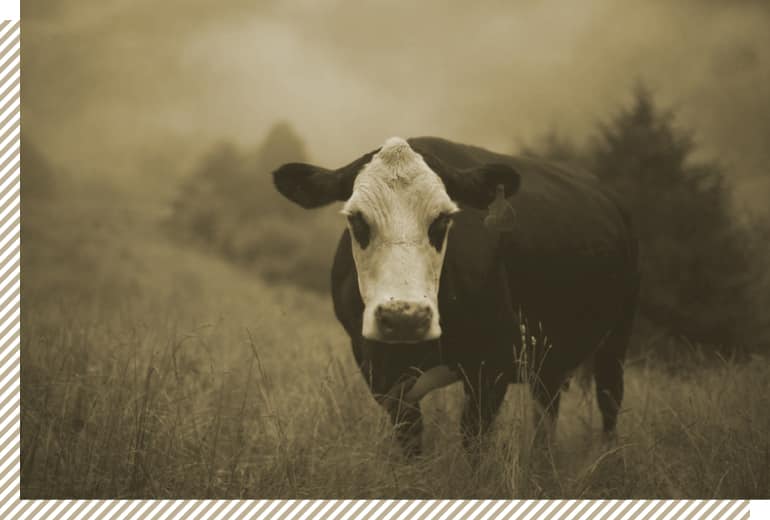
{"x": 229, "y": 205}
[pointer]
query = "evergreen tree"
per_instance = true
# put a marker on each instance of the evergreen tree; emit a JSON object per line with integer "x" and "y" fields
{"x": 694, "y": 258}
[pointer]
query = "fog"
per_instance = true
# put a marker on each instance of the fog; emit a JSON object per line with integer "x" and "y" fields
{"x": 130, "y": 88}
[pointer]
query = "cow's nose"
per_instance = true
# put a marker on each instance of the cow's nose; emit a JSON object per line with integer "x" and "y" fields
{"x": 403, "y": 321}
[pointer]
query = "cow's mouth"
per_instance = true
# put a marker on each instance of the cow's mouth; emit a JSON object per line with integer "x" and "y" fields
{"x": 402, "y": 340}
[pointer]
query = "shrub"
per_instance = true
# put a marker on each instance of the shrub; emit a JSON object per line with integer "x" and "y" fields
{"x": 228, "y": 205}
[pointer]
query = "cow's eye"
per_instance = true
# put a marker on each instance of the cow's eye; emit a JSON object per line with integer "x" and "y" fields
{"x": 437, "y": 230}
{"x": 360, "y": 229}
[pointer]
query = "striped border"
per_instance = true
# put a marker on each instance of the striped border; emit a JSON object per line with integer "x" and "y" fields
{"x": 12, "y": 507}
{"x": 10, "y": 128}
{"x": 383, "y": 509}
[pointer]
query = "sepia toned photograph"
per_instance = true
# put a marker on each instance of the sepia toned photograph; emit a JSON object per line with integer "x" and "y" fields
{"x": 430, "y": 250}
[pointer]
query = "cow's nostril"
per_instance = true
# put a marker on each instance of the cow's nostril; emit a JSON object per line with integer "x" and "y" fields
{"x": 423, "y": 312}
{"x": 387, "y": 318}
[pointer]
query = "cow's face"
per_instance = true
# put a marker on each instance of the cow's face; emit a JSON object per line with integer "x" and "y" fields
{"x": 399, "y": 215}
{"x": 399, "y": 211}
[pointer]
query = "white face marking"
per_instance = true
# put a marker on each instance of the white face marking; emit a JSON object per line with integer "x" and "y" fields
{"x": 398, "y": 197}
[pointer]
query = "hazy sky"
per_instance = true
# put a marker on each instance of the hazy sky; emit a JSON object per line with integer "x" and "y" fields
{"x": 123, "y": 87}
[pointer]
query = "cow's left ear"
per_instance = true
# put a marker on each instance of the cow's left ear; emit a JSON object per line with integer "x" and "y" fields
{"x": 312, "y": 186}
{"x": 476, "y": 187}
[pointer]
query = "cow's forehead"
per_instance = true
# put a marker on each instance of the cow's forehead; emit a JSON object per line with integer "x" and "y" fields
{"x": 397, "y": 172}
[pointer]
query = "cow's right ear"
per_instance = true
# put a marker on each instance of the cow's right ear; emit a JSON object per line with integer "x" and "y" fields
{"x": 312, "y": 186}
{"x": 307, "y": 185}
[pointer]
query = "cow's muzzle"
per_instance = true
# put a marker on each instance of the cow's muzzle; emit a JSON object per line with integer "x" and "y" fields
{"x": 404, "y": 322}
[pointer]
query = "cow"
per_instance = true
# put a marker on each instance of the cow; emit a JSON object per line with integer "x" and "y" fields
{"x": 459, "y": 263}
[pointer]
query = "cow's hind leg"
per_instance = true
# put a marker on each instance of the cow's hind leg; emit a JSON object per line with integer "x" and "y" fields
{"x": 608, "y": 369}
{"x": 484, "y": 393}
{"x": 608, "y": 375}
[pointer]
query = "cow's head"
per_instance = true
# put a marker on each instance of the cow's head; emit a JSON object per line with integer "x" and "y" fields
{"x": 399, "y": 206}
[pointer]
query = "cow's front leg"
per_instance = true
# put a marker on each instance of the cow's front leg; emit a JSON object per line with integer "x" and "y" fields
{"x": 403, "y": 409}
{"x": 485, "y": 389}
{"x": 407, "y": 425}
{"x": 399, "y": 376}
{"x": 405, "y": 416}
{"x": 403, "y": 402}
{"x": 389, "y": 377}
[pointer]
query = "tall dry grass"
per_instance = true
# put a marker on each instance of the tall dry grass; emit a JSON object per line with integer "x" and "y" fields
{"x": 153, "y": 371}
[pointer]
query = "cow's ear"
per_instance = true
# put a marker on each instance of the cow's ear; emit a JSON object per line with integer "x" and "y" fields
{"x": 476, "y": 187}
{"x": 312, "y": 186}
{"x": 307, "y": 185}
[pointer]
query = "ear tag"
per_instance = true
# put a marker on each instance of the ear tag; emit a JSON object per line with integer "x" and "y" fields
{"x": 502, "y": 216}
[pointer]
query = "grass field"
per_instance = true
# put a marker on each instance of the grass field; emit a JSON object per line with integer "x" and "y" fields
{"x": 150, "y": 370}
